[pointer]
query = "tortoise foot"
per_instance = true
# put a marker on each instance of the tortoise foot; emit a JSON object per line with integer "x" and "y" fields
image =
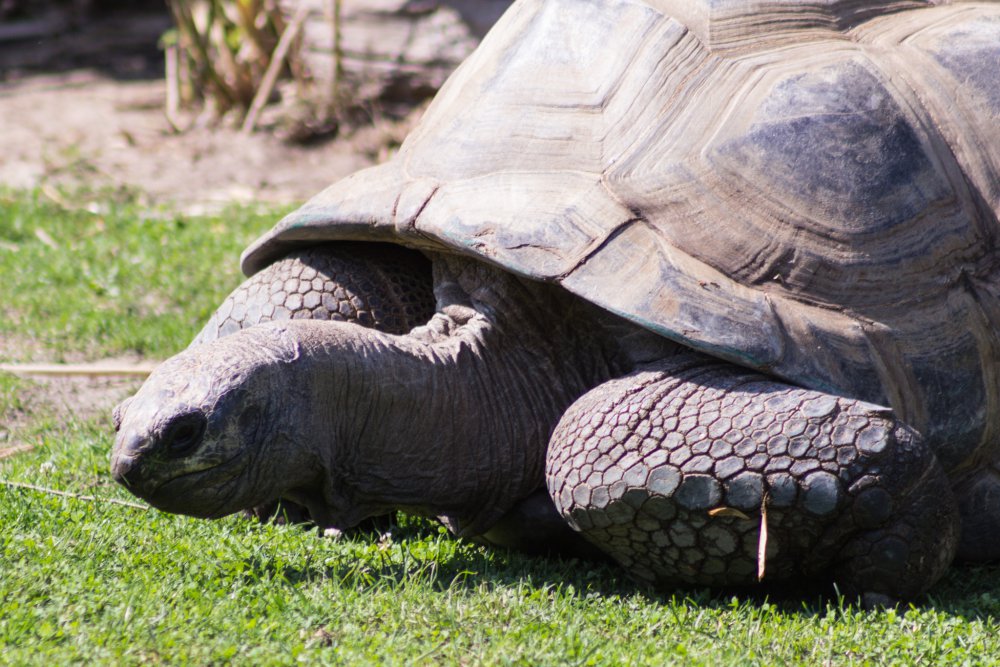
{"x": 907, "y": 532}
{"x": 694, "y": 471}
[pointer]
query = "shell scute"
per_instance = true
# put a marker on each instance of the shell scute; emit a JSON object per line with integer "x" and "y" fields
{"x": 835, "y": 146}
{"x": 970, "y": 51}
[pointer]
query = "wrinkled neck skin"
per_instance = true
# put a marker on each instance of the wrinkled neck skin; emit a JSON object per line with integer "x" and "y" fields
{"x": 451, "y": 420}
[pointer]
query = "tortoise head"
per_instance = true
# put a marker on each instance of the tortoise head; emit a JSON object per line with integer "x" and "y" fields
{"x": 192, "y": 439}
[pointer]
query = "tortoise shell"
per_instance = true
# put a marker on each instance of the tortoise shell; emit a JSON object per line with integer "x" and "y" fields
{"x": 810, "y": 189}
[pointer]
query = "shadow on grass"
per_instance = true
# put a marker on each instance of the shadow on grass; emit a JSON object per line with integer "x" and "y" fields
{"x": 452, "y": 565}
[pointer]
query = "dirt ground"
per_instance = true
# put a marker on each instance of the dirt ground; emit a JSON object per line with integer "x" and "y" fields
{"x": 85, "y": 107}
{"x": 83, "y": 128}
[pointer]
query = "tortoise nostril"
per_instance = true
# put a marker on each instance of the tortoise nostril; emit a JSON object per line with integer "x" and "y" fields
{"x": 126, "y": 470}
{"x": 126, "y": 461}
{"x": 183, "y": 435}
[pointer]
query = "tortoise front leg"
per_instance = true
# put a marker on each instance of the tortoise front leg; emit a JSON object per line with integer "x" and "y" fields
{"x": 677, "y": 470}
{"x": 375, "y": 285}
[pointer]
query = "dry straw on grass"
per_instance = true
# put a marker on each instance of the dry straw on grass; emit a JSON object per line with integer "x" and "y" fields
{"x": 75, "y": 496}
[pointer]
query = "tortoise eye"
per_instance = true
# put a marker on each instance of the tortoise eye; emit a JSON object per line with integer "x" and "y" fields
{"x": 183, "y": 434}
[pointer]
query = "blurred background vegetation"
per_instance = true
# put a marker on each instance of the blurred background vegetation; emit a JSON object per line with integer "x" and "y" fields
{"x": 228, "y": 54}
{"x": 314, "y": 64}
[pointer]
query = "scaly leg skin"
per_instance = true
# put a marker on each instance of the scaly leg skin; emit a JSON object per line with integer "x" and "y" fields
{"x": 674, "y": 470}
{"x": 381, "y": 286}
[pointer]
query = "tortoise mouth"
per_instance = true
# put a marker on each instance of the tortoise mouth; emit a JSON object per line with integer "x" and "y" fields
{"x": 203, "y": 493}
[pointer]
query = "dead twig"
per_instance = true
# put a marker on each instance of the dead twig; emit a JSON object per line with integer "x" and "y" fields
{"x": 762, "y": 540}
{"x": 90, "y": 370}
{"x": 7, "y": 452}
{"x": 44, "y": 237}
{"x": 728, "y": 512}
{"x": 54, "y": 195}
{"x": 274, "y": 67}
{"x": 173, "y": 80}
{"x": 75, "y": 496}
{"x": 338, "y": 53}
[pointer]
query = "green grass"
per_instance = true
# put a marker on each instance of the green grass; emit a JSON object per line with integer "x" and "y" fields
{"x": 96, "y": 582}
{"x": 112, "y": 276}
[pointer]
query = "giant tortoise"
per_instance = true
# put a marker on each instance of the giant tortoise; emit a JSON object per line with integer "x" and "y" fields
{"x": 713, "y": 283}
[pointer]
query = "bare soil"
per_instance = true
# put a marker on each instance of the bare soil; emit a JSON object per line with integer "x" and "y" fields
{"x": 85, "y": 107}
{"x": 83, "y": 128}
{"x": 63, "y": 400}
